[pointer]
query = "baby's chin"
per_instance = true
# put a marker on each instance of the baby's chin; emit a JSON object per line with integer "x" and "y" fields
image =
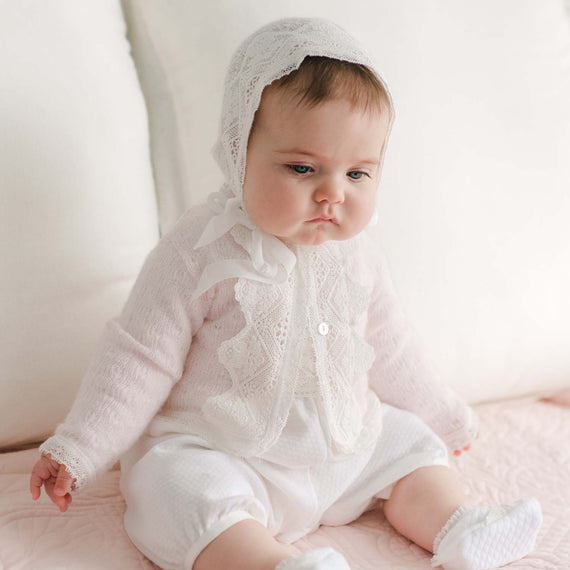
{"x": 314, "y": 237}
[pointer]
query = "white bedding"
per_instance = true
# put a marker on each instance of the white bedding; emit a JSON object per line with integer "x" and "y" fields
{"x": 523, "y": 450}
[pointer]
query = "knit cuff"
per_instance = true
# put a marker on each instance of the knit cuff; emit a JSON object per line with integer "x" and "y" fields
{"x": 68, "y": 453}
{"x": 460, "y": 438}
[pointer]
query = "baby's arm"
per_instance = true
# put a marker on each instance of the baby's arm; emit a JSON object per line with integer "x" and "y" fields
{"x": 137, "y": 362}
{"x": 401, "y": 376}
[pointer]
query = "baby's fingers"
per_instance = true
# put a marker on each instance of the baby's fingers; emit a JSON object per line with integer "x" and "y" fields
{"x": 61, "y": 502}
{"x": 63, "y": 483}
{"x": 35, "y": 486}
{"x": 60, "y": 492}
{"x": 458, "y": 452}
{"x": 40, "y": 474}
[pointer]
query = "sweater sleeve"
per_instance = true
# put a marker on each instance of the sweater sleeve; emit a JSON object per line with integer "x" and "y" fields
{"x": 138, "y": 360}
{"x": 401, "y": 375}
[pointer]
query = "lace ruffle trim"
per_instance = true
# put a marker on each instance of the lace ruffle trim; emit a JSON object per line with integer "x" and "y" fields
{"x": 325, "y": 366}
{"x": 443, "y": 532}
{"x": 64, "y": 451}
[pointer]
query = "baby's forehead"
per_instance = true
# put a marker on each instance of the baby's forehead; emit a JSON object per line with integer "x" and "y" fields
{"x": 278, "y": 104}
{"x": 332, "y": 129}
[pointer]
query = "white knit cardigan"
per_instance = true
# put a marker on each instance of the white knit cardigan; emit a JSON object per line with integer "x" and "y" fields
{"x": 217, "y": 341}
{"x": 226, "y": 366}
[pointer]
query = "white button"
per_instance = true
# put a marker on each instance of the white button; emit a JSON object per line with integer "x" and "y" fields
{"x": 324, "y": 329}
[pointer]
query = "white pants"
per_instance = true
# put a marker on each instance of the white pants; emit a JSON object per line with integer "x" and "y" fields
{"x": 181, "y": 495}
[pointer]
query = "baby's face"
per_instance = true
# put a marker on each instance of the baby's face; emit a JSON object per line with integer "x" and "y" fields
{"x": 312, "y": 172}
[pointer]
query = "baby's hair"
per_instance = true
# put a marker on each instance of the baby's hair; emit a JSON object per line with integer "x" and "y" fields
{"x": 319, "y": 79}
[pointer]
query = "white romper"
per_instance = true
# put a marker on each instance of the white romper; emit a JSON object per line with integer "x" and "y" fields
{"x": 181, "y": 494}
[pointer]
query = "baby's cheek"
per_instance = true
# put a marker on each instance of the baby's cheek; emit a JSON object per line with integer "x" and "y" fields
{"x": 277, "y": 216}
{"x": 367, "y": 211}
{"x": 258, "y": 205}
{"x": 286, "y": 209}
{"x": 357, "y": 217}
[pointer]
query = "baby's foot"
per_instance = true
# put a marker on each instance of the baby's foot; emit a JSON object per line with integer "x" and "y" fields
{"x": 480, "y": 538}
{"x": 318, "y": 559}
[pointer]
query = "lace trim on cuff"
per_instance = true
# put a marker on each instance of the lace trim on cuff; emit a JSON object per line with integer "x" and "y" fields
{"x": 465, "y": 435}
{"x": 66, "y": 452}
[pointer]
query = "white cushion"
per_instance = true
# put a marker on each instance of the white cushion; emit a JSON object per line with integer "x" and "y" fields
{"x": 77, "y": 204}
{"x": 474, "y": 204}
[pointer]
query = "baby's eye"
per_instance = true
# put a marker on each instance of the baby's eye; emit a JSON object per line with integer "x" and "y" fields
{"x": 299, "y": 168}
{"x": 357, "y": 174}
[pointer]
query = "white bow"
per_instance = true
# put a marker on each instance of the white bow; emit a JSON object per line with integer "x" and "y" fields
{"x": 270, "y": 260}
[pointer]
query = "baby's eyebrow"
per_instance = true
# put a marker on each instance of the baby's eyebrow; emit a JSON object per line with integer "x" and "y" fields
{"x": 297, "y": 151}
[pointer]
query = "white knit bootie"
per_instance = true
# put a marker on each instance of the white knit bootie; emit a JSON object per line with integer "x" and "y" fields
{"x": 480, "y": 538}
{"x": 318, "y": 559}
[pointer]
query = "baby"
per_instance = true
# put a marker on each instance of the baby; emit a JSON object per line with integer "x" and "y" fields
{"x": 261, "y": 380}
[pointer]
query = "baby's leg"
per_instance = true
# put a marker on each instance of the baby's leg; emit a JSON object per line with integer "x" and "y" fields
{"x": 429, "y": 505}
{"x": 247, "y": 545}
{"x": 422, "y": 502}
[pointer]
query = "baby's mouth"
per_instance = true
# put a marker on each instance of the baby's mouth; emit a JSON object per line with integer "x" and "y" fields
{"x": 323, "y": 219}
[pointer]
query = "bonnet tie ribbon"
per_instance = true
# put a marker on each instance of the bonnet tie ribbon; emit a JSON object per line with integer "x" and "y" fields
{"x": 270, "y": 260}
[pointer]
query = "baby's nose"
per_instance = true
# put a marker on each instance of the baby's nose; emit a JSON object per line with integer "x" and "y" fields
{"x": 330, "y": 191}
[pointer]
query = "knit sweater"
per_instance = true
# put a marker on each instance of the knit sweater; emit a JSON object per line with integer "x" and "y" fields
{"x": 227, "y": 366}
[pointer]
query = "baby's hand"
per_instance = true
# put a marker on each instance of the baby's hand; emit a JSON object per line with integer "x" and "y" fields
{"x": 458, "y": 452}
{"x": 561, "y": 398}
{"x": 56, "y": 479}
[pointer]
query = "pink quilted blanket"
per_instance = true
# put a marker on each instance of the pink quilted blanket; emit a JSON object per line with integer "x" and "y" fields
{"x": 523, "y": 450}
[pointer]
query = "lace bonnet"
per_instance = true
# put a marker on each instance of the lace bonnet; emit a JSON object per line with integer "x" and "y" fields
{"x": 270, "y": 53}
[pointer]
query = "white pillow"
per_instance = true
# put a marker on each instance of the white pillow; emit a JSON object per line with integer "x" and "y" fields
{"x": 474, "y": 204}
{"x": 77, "y": 205}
